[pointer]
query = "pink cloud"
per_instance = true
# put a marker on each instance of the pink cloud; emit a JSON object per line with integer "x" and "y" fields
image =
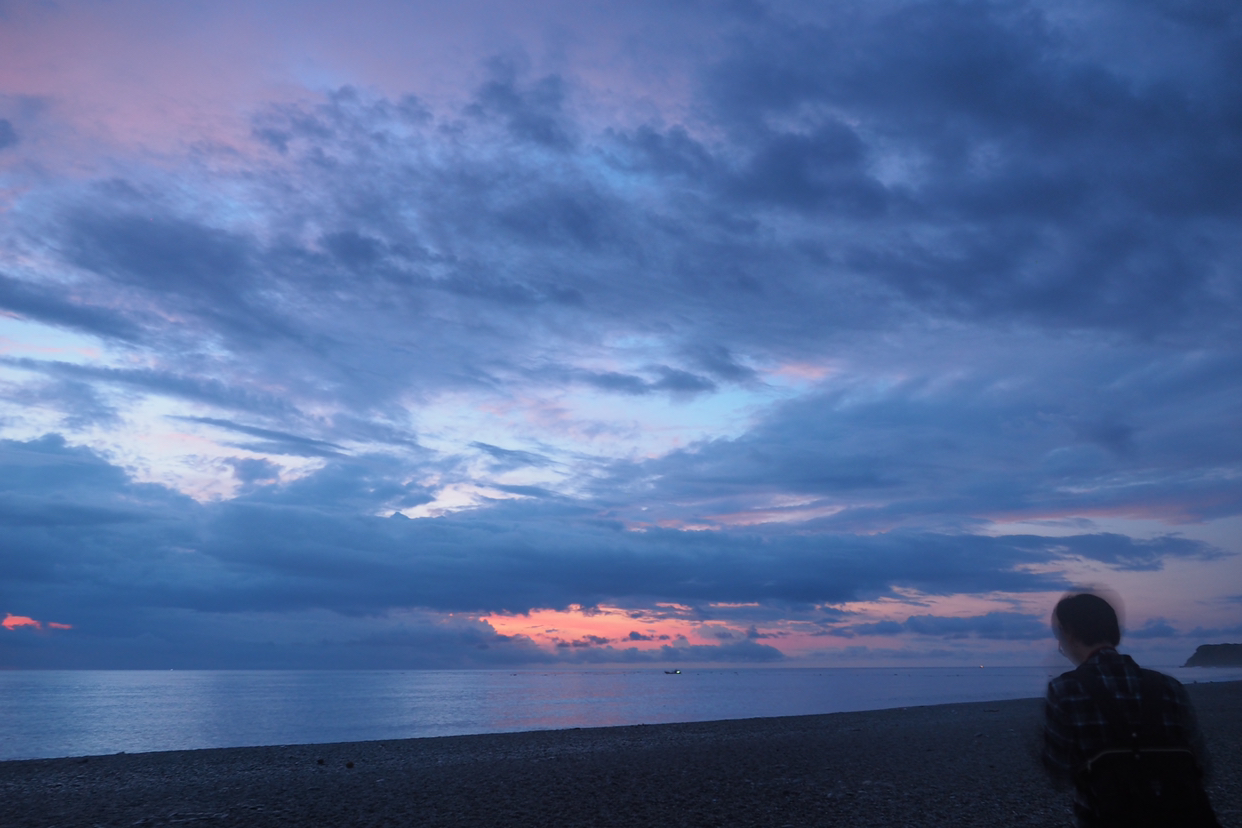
{"x": 157, "y": 77}
{"x": 12, "y": 622}
{"x": 807, "y": 372}
{"x": 613, "y": 626}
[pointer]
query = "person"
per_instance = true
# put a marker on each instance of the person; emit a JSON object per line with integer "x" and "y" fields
{"x": 1126, "y": 737}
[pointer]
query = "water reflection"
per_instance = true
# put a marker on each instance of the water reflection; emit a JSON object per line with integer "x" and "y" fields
{"x": 72, "y": 713}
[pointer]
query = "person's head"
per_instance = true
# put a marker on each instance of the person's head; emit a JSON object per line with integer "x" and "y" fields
{"x": 1084, "y": 622}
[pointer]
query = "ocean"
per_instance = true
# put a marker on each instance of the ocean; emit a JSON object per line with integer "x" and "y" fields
{"x": 51, "y": 713}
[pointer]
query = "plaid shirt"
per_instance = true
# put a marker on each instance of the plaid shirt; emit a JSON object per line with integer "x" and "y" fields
{"x": 1075, "y": 729}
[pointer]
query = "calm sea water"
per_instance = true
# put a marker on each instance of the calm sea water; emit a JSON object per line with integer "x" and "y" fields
{"x": 77, "y": 713}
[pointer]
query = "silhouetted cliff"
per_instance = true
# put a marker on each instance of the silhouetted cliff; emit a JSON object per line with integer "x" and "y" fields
{"x": 1216, "y": 655}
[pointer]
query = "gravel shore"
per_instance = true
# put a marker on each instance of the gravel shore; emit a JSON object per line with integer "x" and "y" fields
{"x": 956, "y": 765}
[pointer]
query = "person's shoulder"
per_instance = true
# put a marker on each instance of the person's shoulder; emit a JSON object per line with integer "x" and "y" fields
{"x": 1066, "y": 682}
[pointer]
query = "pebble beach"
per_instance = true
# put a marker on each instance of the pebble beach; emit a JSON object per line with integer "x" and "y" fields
{"x": 958, "y": 765}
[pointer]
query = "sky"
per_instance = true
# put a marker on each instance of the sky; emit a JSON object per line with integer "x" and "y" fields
{"x": 400, "y": 334}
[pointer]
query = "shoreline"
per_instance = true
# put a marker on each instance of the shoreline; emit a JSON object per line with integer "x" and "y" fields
{"x": 961, "y": 764}
{"x": 79, "y": 713}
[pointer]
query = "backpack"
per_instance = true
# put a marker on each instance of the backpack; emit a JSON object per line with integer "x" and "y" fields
{"x": 1138, "y": 781}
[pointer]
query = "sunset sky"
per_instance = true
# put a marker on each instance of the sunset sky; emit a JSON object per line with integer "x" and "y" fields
{"x": 401, "y": 334}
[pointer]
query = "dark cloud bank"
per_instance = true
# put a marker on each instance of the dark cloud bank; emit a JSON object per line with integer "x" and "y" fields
{"x": 1025, "y": 220}
{"x": 142, "y": 571}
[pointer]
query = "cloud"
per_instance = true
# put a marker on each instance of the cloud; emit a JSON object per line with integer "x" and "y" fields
{"x": 164, "y": 638}
{"x": 1154, "y": 628}
{"x": 850, "y": 190}
{"x": 80, "y": 536}
{"x": 273, "y": 442}
{"x": 194, "y": 388}
{"x": 253, "y": 469}
{"x": 985, "y": 166}
{"x": 680, "y": 384}
{"x": 47, "y": 305}
{"x": 993, "y": 124}
{"x": 81, "y": 404}
{"x": 1002, "y": 626}
{"x": 532, "y": 113}
{"x": 12, "y": 622}
{"x": 179, "y": 258}
{"x": 511, "y": 458}
{"x": 8, "y": 135}
{"x": 946, "y": 454}
{"x": 918, "y": 295}
{"x": 1215, "y": 632}
{"x": 823, "y": 170}
{"x": 999, "y": 625}
{"x": 873, "y": 628}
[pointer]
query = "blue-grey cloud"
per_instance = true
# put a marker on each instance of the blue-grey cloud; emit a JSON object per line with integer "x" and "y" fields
{"x": 80, "y": 537}
{"x": 44, "y": 304}
{"x": 274, "y": 442}
{"x": 934, "y": 453}
{"x": 1004, "y": 626}
{"x": 8, "y": 135}
{"x": 254, "y": 469}
{"x": 173, "y": 384}
{"x": 506, "y": 459}
{"x": 1005, "y": 175}
{"x": 1215, "y": 632}
{"x": 82, "y": 404}
{"x": 174, "y": 254}
{"x": 1039, "y": 154}
{"x": 531, "y": 113}
{"x": 1155, "y": 628}
{"x": 1004, "y": 243}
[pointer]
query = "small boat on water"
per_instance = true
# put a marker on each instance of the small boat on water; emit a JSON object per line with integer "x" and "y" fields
{"x": 672, "y": 672}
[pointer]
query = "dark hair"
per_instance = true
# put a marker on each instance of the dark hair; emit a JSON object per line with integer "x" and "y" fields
{"x": 1089, "y": 618}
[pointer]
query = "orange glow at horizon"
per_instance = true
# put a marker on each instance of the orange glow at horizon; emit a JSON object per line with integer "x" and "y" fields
{"x": 677, "y": 626}
{"x": 668, "y": 624}
{"x": 609, "y": 626}
{"x": 796, "y": 638}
